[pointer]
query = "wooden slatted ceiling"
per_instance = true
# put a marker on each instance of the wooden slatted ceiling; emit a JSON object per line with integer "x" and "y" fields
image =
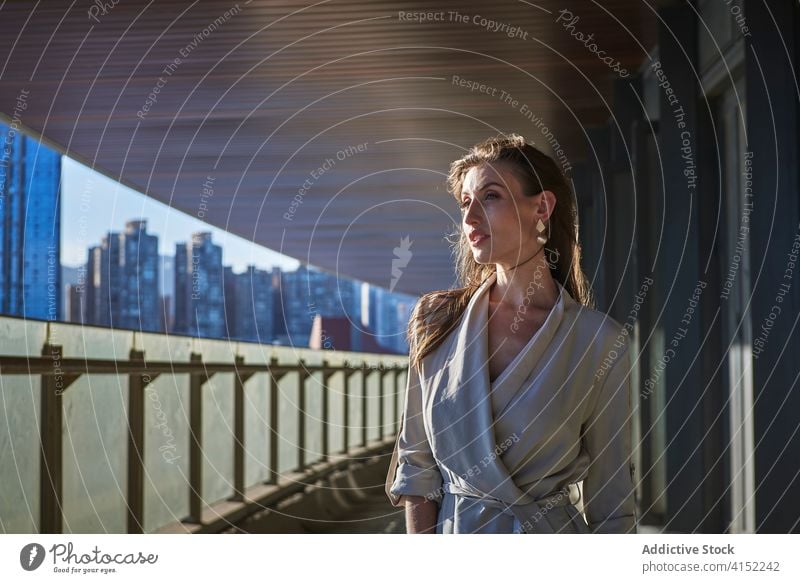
{"x": 276, "y": 88}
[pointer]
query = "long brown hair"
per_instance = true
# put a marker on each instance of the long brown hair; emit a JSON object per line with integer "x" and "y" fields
{"x": 437, "y": 313}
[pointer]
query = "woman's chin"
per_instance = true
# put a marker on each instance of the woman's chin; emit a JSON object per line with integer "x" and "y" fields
{"x": 482, "y": 257}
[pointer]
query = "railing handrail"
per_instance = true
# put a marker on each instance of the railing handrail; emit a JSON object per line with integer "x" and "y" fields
{"x": 44, "y": 365}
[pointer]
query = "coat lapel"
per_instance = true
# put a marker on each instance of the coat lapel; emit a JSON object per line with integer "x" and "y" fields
{"x": 462, "y": 433}
{"x": 511, "y": 384}
{"x": 462, "y": 401}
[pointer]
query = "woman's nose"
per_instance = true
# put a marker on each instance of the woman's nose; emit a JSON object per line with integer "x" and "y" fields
{"x": 472, "y": 212}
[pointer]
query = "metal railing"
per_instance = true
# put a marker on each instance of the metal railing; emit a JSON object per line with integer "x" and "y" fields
{"x": 58, "y": 372}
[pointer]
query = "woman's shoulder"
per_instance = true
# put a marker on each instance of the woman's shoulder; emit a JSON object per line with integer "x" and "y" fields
{"x": 598, "y": 327}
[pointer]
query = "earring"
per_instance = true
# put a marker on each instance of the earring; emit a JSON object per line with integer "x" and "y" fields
{"x": 540, "y": 227}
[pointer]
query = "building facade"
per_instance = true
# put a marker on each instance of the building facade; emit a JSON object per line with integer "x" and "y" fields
{"x": 199, "y": 295}
{"x": 30, "y": 227}
{"x": 122, "y": 280}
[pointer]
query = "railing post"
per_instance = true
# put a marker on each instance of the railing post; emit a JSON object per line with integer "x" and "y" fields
{"x": 346, "y": 417}
{"x": 52, "y": 423}
{"x": 136, "y": 382}
{"x": 382, "y": 372}
{"x": 326, "y": 375}
{"x": 238, "y": 431}
{"x": 196, "y": 380}
{"x": 273, "y": 423}
{"x": 364, "y": 373}
{"x": 399, "y": 391}
{"x": 301, "y": 414}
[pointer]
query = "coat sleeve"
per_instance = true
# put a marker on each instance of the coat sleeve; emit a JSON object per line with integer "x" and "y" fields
{"x": 413, "y": 470}
{"x": 608, "y": 487}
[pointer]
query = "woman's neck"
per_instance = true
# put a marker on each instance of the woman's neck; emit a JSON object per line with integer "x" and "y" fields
{"x": 528, "y": 283}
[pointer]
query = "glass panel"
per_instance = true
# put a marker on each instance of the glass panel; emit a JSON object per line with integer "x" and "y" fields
{"x": 287, "y": 424}
{"x": 90, "y": 341}
{"x": 218, "y": 437}
{"x": 95, "y": 452}
{"x": 166, "y": 446}
{"x": 373, "y": 405}
{"x": 399, "y": 396}
{"x": 388, "y": 405}
{"x": 336, "y": 412}
{"x": 166, "y": 433}
{"x": 217, "y": 421}
{"x": 19, "y": 337}
{"x": 257, "y": 435}
{"x": 355, "y": 400}
{"x": 314, "y": 390}
{"x": 20, "y": 400}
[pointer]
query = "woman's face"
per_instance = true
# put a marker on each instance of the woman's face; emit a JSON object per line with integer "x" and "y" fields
{"x": 498, "y": 220}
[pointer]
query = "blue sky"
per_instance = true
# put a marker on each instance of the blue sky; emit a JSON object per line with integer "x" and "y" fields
{"x": 93, "y": 204}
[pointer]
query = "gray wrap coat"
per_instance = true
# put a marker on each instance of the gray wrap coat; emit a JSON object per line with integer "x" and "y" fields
{"x": 544, "y": 448}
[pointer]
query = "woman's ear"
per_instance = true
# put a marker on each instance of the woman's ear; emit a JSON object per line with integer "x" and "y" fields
{"x": 547, "y": 203}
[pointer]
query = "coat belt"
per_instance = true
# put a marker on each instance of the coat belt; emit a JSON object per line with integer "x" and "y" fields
{"x": 531, "y": 516}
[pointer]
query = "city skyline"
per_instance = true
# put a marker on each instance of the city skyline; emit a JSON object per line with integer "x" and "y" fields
{"x": 210, "y": 300}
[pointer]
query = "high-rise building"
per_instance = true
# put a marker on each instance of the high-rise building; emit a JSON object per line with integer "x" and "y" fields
{"x": 166, "y": 277}
{"x": 229, "y": 288}
{"x": 249, "y": 305}
{"x": 279, "y": 334}
{"x": 165, "y": 313}
{"x": 73, "y": 280}
{"x": 199, "y": 303}
{"x": 306, "y": 293}
{"x": 122, "y": 280}
{"x": 139, "y": 305}
{"x": 76, "y": 305}
{"x": 30, "y": 227}
{"x": 254, "y": 305}
{"x": 297, "y": 317}
{"x": 348, "y": 294}
{"x": 94, "y": 307}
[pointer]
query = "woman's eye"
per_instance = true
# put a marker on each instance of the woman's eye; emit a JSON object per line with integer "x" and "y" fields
{"x": 465, "y": 203}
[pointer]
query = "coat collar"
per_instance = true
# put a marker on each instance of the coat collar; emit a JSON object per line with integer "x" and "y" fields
{"x": 463, "y": 400}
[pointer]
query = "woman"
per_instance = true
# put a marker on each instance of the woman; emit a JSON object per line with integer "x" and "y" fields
{"x": 517, "y": 390}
